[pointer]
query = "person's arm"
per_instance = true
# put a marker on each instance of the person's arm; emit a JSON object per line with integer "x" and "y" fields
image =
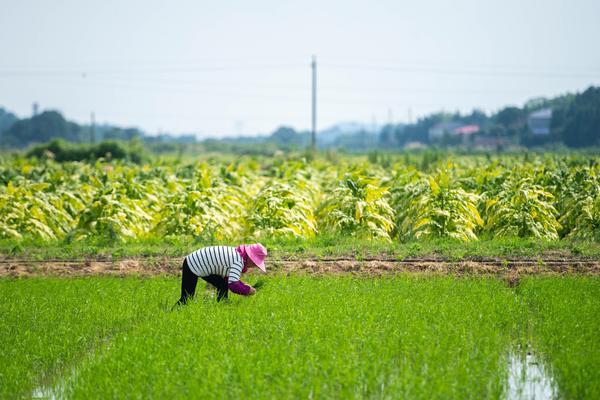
{"x": 240, "y": 287}
{"x": 234, "y": 282}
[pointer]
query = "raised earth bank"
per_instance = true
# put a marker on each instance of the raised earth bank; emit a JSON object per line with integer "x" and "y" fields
{"x": 373, "y": 266}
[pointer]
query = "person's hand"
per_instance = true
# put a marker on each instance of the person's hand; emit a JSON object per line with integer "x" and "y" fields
{"x": 252, "y": 291}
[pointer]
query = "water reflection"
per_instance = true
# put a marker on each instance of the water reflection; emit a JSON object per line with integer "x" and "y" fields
{"x": 529, "y": 379}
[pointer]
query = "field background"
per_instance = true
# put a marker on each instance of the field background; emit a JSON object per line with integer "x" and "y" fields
{"x": 414, "y": 275}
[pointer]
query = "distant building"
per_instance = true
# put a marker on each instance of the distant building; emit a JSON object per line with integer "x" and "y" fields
{"x": 539, "y": 121}
{"x": 443, "y": 128}
{"x": 466, "y": 130}
{"x": 453, "y": 129}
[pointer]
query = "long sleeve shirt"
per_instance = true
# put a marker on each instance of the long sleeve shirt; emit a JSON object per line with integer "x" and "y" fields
{"x": 224, "y": 261}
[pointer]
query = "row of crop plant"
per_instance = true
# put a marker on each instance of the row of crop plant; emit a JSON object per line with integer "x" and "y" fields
{"x": 464, "y": 199}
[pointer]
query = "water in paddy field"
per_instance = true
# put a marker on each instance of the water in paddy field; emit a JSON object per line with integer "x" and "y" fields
{"x": 528, "y": 379}
{"x": 57, "y": 391}
{"x": 44, "y": 393}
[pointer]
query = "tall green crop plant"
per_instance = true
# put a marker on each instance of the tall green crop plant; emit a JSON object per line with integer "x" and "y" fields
{"x": 301, "y": 174}
{"x": 587, "y": 222}
{"x": 522, "y": 209}
{"x": 29, "y": 211}
{"x": 282, "y": 209}
{"x": 204, "y": 207}
{"x": 579, "y": 204}
{"x": 358, "y": 206}
{"x": 219, "y": 198}
{"x": 207, "y": 213}
{"x": 112, "y": 215}
{"x": 433, "y": 207}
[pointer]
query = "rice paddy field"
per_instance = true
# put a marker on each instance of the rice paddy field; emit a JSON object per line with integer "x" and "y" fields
{"x": 403, "y": 336}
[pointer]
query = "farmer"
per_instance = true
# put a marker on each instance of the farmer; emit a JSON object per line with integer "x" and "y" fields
{"x": 221, "y": 266}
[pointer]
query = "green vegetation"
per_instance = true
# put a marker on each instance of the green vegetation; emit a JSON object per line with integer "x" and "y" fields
{"x": 49, "y": 324}
{"x": 291, "y": 198}
{"x": 563, "y": 328}
{"x": 410, "y": 336}
{"x": 51, "y": 125}
{"x": 62, "y": 151}
{"x": 322, "y": 246}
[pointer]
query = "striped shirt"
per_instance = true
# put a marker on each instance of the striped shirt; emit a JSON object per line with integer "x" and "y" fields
{"x": 224, "y": 261}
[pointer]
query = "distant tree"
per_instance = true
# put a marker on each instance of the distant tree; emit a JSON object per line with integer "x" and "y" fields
{"x": 116, "y": 133}
{"x": 510, "y": 117}
{"x": 286, "y": 137}
{"x": 7, "y": 120}
{"x": 477, "y": 117}
{"x": 535, "y": 104}
{"x": 582, "y": 120}
{"x": 360, "y": 141}
{"x": 510, "y": 122}
{"x": 62, "y": 151}
{"x": 387, "y": 136}
{"x": 41, "y": 128}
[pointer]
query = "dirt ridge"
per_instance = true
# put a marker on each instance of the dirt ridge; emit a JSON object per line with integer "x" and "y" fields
{"x": 317, "y": 266}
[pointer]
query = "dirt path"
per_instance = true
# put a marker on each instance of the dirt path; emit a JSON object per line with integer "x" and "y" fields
{"x": 366, "y": 267}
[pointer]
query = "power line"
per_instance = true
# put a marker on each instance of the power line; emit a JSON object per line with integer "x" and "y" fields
{"x": 489, "y": 70}
{"x": 85, "y": 72}
{"x": 170, "y": 84}
{"x": 328, "y": 100}
{"x": 437, "y": 64}
{"x": 450, "y": 71}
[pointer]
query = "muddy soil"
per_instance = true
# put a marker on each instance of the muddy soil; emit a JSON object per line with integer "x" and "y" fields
{"x": 510, "y": 270}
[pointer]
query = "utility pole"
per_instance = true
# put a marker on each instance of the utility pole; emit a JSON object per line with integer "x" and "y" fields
{"x": 92, "y": 128}
{"x": 314, "y": 104}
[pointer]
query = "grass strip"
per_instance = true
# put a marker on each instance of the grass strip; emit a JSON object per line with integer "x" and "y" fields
{"x": 322, "y": 246}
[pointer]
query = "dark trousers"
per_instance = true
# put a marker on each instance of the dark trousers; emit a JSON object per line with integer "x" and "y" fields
{"x": 189, "y": 280}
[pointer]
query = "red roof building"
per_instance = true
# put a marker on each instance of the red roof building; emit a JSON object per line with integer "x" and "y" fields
{"x": 466, "y": 130}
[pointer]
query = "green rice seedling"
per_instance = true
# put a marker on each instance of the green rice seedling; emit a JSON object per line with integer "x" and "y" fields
{"x": 48, "y": 324}
{"x": 563, "y": 328}
{"x": 394, "y": 337}
{"x": 403, "y": 337}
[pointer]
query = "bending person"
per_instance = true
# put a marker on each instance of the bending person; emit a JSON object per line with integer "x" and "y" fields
{"x": 222, "y": 267}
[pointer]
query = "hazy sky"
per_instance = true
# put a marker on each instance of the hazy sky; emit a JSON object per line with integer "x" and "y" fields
{"x": 243, "y": 67}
